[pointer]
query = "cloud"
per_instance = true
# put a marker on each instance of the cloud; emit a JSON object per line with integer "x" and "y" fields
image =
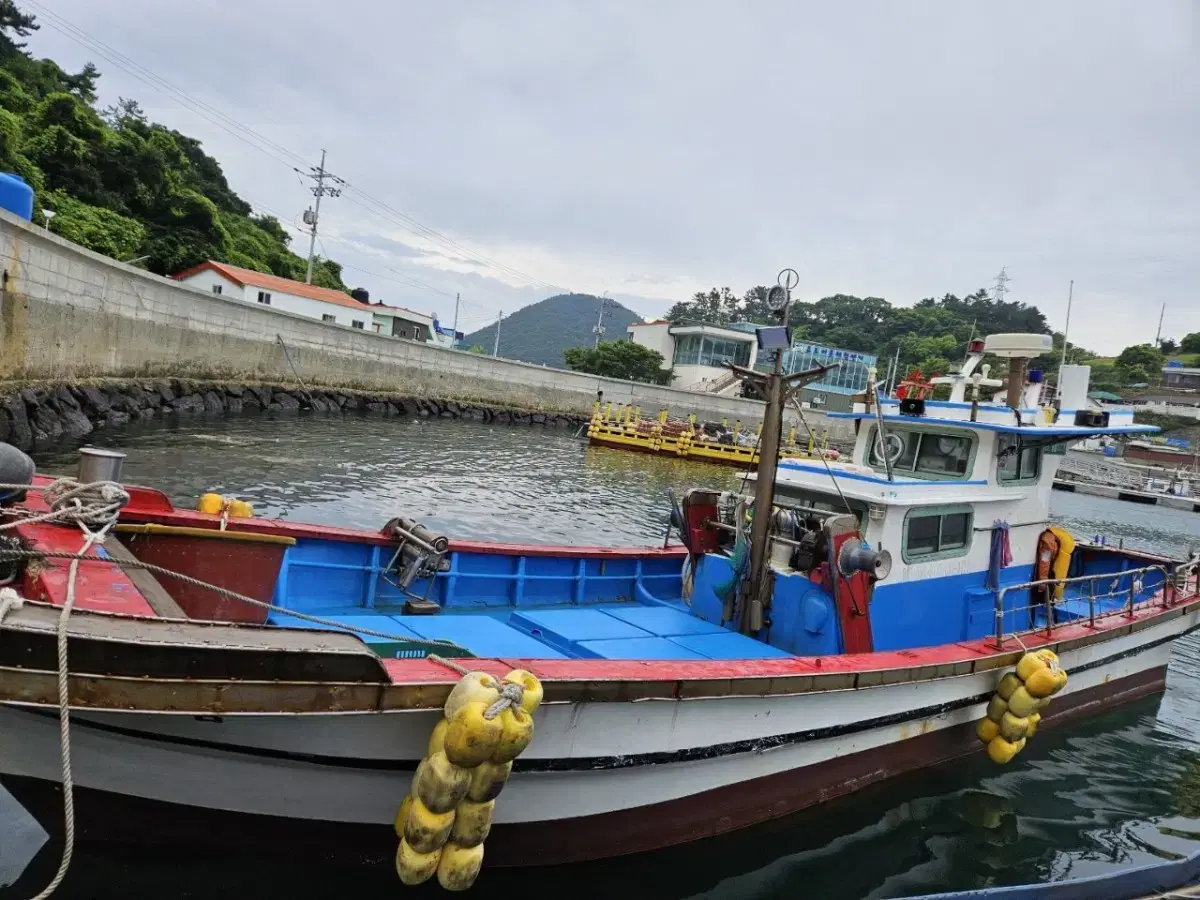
{"x": 885, "y": 149}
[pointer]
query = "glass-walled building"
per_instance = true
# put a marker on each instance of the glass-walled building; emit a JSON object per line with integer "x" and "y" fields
{"x": 704, "y": 350}
{"x": 850, "y": 376}
{"x": 834, "y": 391}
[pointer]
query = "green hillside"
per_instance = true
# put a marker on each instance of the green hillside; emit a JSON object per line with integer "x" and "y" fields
{"x": 120, "y": 184}
{"x": 542, "y": 332}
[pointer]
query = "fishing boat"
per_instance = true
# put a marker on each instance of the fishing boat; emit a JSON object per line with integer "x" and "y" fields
{"x": 230, "y": 677}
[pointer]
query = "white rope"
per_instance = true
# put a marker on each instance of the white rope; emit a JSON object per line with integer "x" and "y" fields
{"x": 7, "y": 554}
{"x": 510, "y": 696}
{"x": 10, "y": 601}
{"x": 95, "y": 505}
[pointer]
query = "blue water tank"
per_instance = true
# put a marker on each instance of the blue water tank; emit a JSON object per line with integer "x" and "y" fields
{"x": 16, "y": 196}
{"x": 1110, "y": 451}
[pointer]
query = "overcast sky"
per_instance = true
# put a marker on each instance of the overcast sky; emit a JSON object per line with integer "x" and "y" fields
{"x": 653, "y": 148}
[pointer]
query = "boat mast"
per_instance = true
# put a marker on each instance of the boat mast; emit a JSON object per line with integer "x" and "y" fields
{"x": 776, "y": 389}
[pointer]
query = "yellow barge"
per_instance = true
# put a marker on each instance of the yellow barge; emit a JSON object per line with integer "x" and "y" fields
{"x": 622, "y": 427}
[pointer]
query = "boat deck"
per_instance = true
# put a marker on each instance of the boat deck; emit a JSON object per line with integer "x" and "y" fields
{"x": 627, "y": 630}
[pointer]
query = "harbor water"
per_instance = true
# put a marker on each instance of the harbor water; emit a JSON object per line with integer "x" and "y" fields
{"x": 1119, "y": 790}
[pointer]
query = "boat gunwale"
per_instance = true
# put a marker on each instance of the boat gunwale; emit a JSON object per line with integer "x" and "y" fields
{"x": 417, "y": 684}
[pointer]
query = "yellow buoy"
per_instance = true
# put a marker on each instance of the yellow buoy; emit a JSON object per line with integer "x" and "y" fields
{"x": 1001, "y": 751}
{"x": 1034, "y": 721}
{"x": 1021, "y": 704}
{"x": 472, "y": 822}
{"x": 439, "y": 784}
{"x": 474, "y": 686}
{"x": 532, "y": 698}
{"x": 996, "y": 708}
{"x": 425, "y": 831}
{"x": 437, "y": 740}
{"x": 472, "y": 737}
{"x": 459, "y": 866}
{"x": 986, "y": 730}
{"x": 1009, "y": 683}
{"x": 517, "y": 733}
{"x": 402, "y": 815}
{"x": 1013, "y": 728}
{"x": 413, "y": 867}
{"x": 240, "y": 509}
{"x": 210, "y": 503}
{"x": 487, "y": 781}
{"x": 1041, "y": 683}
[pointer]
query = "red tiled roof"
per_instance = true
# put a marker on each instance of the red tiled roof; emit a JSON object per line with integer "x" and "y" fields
{"x": 244, "y": 277}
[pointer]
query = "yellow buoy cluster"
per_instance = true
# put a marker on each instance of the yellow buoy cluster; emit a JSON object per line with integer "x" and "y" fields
{"x": 447, "y": 815}
{"x": 1013, "y": 713}
{"x": 215, "y": 503}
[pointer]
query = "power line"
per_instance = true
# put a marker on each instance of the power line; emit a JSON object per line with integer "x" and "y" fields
{"x": 269, "y": 147}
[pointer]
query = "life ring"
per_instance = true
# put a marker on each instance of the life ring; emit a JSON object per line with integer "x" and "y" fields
{"x": 892, "y": 455}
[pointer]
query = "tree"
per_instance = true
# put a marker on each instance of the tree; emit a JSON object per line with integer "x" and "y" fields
{"x": 1190, "y": 343}
{"x": 119, "y": 183}
{"x": 18, "y": 23}
{"x": 1139, "y": 363}
{"x": 619, "y": 359}
{"x": 1168, "y": 346}
{"x": 475, "y": 348}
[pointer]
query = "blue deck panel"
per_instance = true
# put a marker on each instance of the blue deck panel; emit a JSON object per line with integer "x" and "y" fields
{"x": 663, "y": 621}
{"x": 729, "y": 645}
{"x": 574, "y": 625}
{"x": 387, "y": 624}
{"x": 637, "y": 648}
{"x": 482, "y": 635}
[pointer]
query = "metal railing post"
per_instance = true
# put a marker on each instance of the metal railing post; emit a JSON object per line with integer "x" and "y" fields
{"x": 1132, "y": 595}
{"x": 1000, "y": 617}
{"x": 1092, "y": 603}
{"x": 1049, "y": 589}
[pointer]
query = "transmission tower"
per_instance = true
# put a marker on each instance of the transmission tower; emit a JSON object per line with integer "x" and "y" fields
{"x": 1001, "y": 287}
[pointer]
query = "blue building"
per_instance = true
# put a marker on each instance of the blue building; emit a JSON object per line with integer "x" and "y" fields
{"x": 835, "y": 390}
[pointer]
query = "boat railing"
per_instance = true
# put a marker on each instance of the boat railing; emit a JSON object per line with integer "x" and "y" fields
{"x": 1178, "y": 579}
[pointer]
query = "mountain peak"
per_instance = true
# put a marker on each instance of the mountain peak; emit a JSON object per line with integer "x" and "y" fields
{"x": 540, "y": 332}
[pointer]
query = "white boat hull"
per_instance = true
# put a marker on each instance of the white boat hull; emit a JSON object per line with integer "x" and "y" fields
{"x": 589, "y": 761}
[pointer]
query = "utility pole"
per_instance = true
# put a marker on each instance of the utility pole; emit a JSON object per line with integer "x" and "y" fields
{"x": 1066, "y": 331}
{"x": 598, "y": 331}
{"x": 496, "y": 343}
{"x": 1158, "y": 334}
{"x": 454, "y": 337}
{"x": 311, "y": 216}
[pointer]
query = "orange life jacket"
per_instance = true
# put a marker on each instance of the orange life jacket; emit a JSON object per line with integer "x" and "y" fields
{"x": 1047, "y": 550}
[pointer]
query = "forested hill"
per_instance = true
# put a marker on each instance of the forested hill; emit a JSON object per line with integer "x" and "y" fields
{"x": 541, "y": 332}
{"x": 120, "y": 184}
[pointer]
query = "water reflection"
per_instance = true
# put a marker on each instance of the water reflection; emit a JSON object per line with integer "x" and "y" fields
{"x": 1118, "y": 790}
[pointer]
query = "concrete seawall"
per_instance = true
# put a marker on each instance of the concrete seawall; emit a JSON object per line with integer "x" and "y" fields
{"x": 68, "y": 314}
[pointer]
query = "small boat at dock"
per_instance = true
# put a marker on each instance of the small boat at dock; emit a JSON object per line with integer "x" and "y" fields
{"x": 232, "y": 678}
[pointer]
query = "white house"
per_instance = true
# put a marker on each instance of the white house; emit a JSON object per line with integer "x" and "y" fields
{"x": 335, "y": 307}
{"x": 698, "y": 352}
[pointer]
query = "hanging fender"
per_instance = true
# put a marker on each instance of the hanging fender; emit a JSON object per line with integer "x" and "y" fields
{"x": 1062, "y": 558}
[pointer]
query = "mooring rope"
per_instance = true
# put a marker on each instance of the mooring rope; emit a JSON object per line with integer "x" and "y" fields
{"x": 94, "y": 508}
{"x": 95, "y": 505}
{"x": 7, "y": 553}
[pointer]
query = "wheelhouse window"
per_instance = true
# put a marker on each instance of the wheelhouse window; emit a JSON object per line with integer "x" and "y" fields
{"x": 937, "y": 533}
{"x": 934, "y": 455}
{"x": 1016, "y": 461}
